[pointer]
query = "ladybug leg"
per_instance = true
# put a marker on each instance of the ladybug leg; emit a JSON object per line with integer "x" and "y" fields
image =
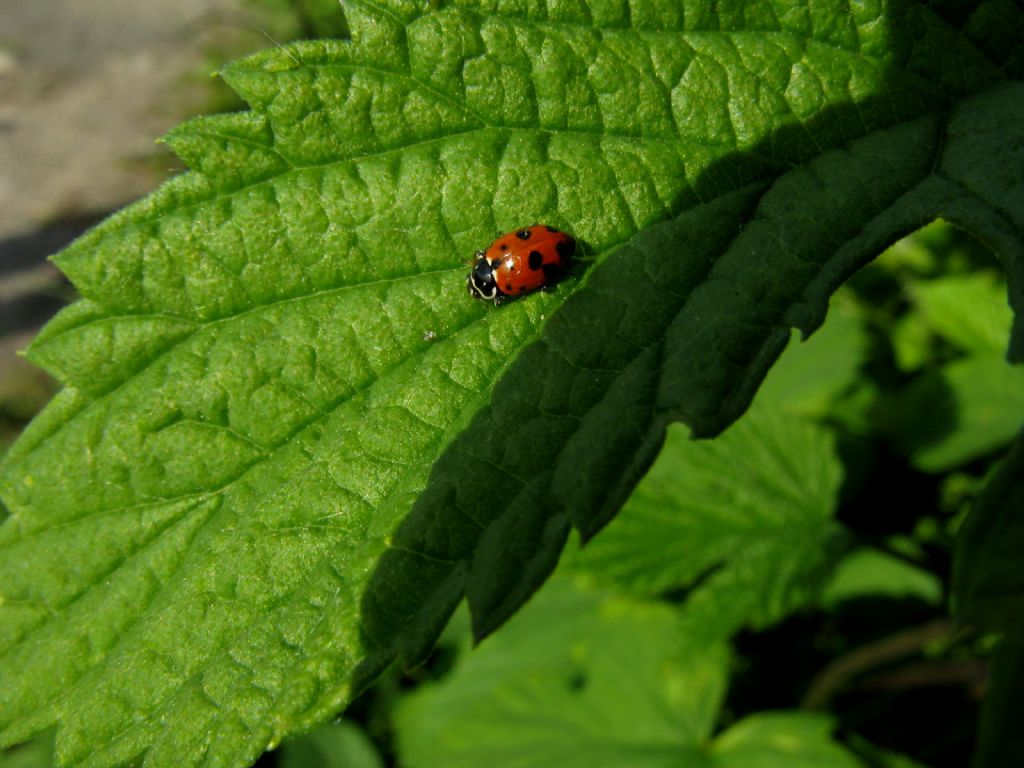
{"x": 498, "y": 298}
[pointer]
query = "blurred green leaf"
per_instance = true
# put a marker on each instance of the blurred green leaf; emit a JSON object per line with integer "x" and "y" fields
{"x": 918, "y": 252}
{"x": 988, "y": 580}
{"x": 868, "y": 572}
{"x": 582, "y": 678}
{"x": 753, "y": 508}
{"x": 1000, "y": 737}
{"x": 577, "y": 678}
{"x": 37, "y": 753}
{"x": 938, "y": 249}
{"x": 912, "y": 341}
{"x": 338, "y": 745}
{"x": 781, "y": 740}
{"x": 811, "y": 375}
{"x": 966, "y": 409}
{"x": 968, "y": 311}
{"x": 988, "y": 592}
{"x": 876, "y": 757}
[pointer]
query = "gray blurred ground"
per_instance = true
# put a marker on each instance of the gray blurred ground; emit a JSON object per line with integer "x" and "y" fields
{"x": 86, "y": 88}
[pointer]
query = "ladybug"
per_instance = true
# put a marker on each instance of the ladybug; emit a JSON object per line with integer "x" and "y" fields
{"x": 520, "y": 262}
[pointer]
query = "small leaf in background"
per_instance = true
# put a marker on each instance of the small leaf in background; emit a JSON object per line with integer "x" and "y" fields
{"x": 578, "y": 678}
{"x": 967, "y": 407}
{"x": 781, "y": 740}
{"x": 875, "y": 757}
{"x": 968, "y": 311}
{"x": 811, "y": 375}
{"x": 964, "y": 410}
{"x": 918, "y": 253}
{"x": 912, "y": 342}
{"x": 588, "y": 679}
{"x": 752, "y": 508}
{"x": 338, "y": 745}
{"x": 868, "y": 572}
{"x": 937, "y": 250}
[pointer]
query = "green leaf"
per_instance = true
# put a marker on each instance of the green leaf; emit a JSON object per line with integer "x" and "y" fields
{"x": 969, "y": 311}
{"x": 921, "y": 253}
{"x": 578, "y": 678}
{"x": 964, "y": 410}
{"x": 752, "y": 508}
{"x": 877, "y": 757}
{"x": 868, "y": 572}
{"x": 37, "y": 753}
{"x": 810, "y": 376}
{"x": 582, "y": 678}
{"x": 289, "y": 444}
{"x": 988, "y": 591}
{"x": 1000, "y": 741}
{"x": 988, "y": 581}
{"x": 338, "y": 745}
{"x": 781, "y": 740}
{"x": 912, "y": 342}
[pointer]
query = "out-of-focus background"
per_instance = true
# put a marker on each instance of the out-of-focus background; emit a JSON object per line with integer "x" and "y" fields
{"x": 86, "y": 89}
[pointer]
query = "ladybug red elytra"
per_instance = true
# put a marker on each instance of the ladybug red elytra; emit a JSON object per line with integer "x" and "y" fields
{"x": 519, "y": 262}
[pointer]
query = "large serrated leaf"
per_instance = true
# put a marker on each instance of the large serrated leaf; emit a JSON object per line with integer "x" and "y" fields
{"x": 275, "y": 360}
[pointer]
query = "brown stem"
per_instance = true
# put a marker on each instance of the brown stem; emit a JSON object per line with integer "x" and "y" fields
{"x": 970, "y": 673}
{"x": 835, "y": 676}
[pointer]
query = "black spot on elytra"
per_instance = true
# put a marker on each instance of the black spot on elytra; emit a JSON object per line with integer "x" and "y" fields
{"x": 523, "y": 234}
{"x": 496, "y": 263}
{"x": 551, "y": 229}
{"x": 504, "y": 246}
{"x": 508, "y": 287}
{"x": 565, "y": 248}
{"x": 536, "y": 260}
{"x": 551, "y": 272}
